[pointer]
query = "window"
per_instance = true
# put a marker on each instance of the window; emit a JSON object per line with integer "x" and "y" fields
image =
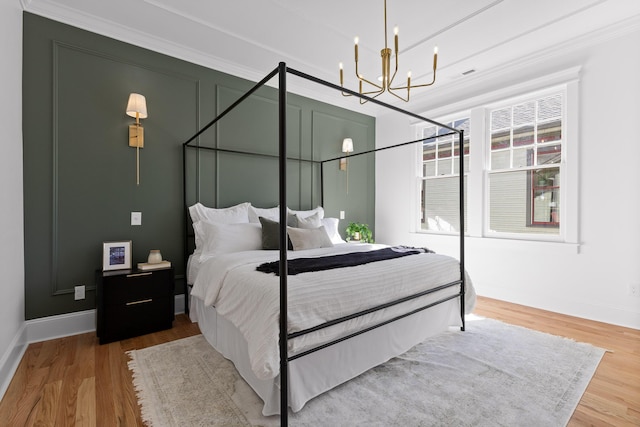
{"x": 521, "y": 178}
{"x": 525, "y": 152}
{"x": 439, "y": 204}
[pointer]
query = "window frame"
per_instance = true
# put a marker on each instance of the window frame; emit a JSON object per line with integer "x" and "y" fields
{"x": 477, "y": 109}
{"x": 420, "y": 178}
{"x": 529, "y": 169}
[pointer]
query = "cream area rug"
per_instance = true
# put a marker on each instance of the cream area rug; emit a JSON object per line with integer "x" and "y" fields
{"x": 493, "y": 374}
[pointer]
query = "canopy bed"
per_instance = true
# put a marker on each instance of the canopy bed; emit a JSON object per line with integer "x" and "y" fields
{"x": 299, "y": 322}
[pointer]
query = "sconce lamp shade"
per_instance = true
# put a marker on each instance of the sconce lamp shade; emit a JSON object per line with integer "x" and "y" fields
{"x": 137, "y": 104}
{"x": 347, "y": 145}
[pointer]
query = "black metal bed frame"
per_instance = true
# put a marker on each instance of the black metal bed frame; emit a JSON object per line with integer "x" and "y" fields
{"x": 281, "y": 71}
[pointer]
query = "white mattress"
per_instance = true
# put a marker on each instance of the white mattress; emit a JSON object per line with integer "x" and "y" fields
{"x": 318, "y": 372}
{"x": 249, "y": 299}
{"x": 243, "y": 326}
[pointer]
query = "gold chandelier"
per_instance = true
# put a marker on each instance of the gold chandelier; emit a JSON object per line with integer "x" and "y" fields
{"x": 387, "y": 78}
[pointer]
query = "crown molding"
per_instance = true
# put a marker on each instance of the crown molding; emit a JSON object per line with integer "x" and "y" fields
{"x": 457, "y": 88}
{"x": 421, "y": 102}
{"x": 141, "y": 39}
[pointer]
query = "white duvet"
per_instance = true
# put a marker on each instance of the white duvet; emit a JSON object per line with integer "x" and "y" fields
{"x": 250, "y": 299}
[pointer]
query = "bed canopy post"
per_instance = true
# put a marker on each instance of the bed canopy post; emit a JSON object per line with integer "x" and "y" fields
{"x": 461, "y": 204}
{"x": 284, "y": 352}
{"x": 185, "y": 221}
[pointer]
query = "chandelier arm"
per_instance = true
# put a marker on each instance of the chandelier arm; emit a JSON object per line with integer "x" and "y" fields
{"x": 391, "y": 91}
{"x": 378, "y": 92}
{"x": 396, "y": 70}
{"x": 394, "y": 73}
{"x": 371, "y": 97}
{"x": 416, "y": 86}
{"x": 362, "y": 79}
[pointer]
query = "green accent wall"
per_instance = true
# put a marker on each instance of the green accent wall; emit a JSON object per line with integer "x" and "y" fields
{"x": 79, "y": 172}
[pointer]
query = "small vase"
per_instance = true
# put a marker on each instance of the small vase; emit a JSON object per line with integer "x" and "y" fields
{"x": 154, "y": 256}
{"x": 356, "y": 235}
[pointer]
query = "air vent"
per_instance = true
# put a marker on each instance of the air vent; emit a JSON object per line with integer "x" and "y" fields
{"x": 466, "y": 73}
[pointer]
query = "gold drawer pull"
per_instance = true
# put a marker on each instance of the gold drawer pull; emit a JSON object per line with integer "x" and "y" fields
{"x": 139, "y": 274}
{"x": 142, "y": 301}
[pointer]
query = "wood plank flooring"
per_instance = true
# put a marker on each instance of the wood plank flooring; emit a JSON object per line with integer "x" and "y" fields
{"x": 75, "y": 381}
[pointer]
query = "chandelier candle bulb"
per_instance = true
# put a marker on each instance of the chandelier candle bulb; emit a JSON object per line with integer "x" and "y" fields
{"x": 356, "y": 48}
{"x": 395, "y": 31}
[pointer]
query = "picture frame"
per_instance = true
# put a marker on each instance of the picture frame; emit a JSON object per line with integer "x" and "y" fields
{"x": 116, "y": 255}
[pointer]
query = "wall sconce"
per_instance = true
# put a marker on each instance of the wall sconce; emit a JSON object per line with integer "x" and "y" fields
{"x": 137, "y": 107}
{"x": 347, "y": 147}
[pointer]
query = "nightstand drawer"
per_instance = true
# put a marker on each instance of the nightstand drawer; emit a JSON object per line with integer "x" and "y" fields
{"x": 138, "y": 318}
{"x": 137, "y": 286}
{"x": 133, "y": 302}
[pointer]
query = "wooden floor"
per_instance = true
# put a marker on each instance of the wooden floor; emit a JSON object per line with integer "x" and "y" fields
{"x": 74, "y": 381}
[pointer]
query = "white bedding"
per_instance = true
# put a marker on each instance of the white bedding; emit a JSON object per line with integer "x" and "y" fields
{"x": 250, "y": 299}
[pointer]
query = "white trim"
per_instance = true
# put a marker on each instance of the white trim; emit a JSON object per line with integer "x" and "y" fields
{"x": 11, "y": 359}
{"x": 562, "y": 166}
{"x": 63, "y": 325}
{"x": 49, "y": 328}
{"x": 443, "y": 94}
{"x": 80, "y": 322}
{"x": 108, "y": 28}
{"x": 565, "y": 81}
{"x": 529, "y": 87}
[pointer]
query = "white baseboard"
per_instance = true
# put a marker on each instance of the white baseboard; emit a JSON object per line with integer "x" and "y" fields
{"x": 48, "y": 328}
{"x": 11, "y": 359}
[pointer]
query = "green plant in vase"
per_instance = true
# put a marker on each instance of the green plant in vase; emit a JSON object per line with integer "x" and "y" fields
{"x": 359, "y": 232}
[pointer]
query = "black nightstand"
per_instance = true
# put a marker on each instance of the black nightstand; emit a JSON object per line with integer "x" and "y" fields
{"x": 133, "y": 302}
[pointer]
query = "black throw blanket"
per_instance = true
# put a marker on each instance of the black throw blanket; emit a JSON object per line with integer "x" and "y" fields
{"x": 305, "y": 265}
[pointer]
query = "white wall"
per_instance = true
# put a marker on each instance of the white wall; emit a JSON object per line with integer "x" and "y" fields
{"x": 591, "y": 280}
{"x": 11, "y": 209}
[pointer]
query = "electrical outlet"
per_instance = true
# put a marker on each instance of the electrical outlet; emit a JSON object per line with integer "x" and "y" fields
{"x": 341, "y": 214}
{"x": 79, "y": 292}
{"x": 634, "y": 289}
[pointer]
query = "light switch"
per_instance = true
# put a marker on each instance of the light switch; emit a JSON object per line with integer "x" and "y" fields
{"x": 136, "y": 218}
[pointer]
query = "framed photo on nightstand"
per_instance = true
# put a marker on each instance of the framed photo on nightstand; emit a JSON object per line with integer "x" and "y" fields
{"x": 116, "y": 255}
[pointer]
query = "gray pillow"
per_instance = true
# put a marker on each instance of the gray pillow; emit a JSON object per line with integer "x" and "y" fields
{"x": 271, "y": 234}
{"x": 309, "y": 238}
{"x": 292, "y": 220}
{"x": 311, "y": 221}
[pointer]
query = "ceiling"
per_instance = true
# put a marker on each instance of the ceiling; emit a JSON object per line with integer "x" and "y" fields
{"x": 248, "y": 38}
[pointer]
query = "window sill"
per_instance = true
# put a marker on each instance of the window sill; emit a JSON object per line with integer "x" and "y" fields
{"x": 504, "y": 243}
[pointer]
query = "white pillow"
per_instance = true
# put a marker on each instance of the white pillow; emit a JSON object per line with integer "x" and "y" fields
{"x": 311, "y": 221}
{"x": 331, "y": 225}
{"x": 270, "y": 213}
{"x": 304, "y": 214}
{"x": 214, "y": 239}
{"x": 308, "y": 238}
{"x": 231, "y": 215}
